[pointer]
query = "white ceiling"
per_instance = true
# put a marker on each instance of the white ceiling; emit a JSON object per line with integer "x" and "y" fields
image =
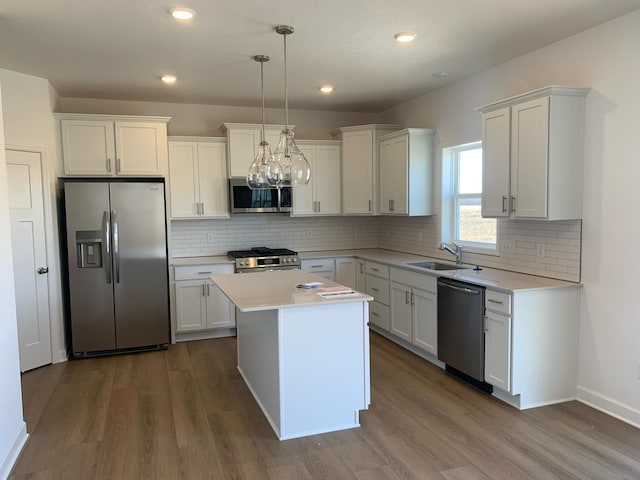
{"x": 118, "y": 49}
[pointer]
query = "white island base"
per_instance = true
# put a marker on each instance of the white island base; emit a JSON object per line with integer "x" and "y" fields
{"x": 305, "y": 359}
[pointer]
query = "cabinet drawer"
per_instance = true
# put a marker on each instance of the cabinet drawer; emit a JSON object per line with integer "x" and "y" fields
{"x": 199, "y": 272}
{"x": 378, "y": 288}
{"x": 318, "y": 265}
{"x": 419, "y": 280}
{"x": 377, "y": 269}
{"x": 498, "y": 302}
{"x": 379, "y": 315}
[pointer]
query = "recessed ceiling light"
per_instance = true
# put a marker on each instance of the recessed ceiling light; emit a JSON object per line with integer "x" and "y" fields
{"x": 326, "y": 89}
{"x": 182, "y": 13}
{"x": 439, "y": 74}
{"x": 405, "y": 37}
{"x": 169, "y": 79}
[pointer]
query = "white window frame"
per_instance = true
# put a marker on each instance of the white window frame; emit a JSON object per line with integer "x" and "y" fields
{"x": 450, "y": 199}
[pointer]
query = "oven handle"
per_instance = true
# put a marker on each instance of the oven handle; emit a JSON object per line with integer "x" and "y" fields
{"x": 254, "y": 270}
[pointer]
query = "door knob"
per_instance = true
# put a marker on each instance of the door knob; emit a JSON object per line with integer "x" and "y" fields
{"x": 43, "y": 270}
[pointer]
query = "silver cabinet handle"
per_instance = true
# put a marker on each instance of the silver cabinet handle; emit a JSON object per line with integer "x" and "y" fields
{"x": 406, "y": 297}
{"x": 499, "y": 302}
{"x": 513, "y": 204}
{"x": 369, "y": 205}
{"x": 375, "y": 269}
{"x": 413, "y": 298}
{"x": 362, "y": 268}
{"x": 316, "y": 266}
{"x": 204, "y": 273}
{"x": 106, "y": 244}
{"x": 208, "y": 290}
{"x": 504, "y": 204}
{"x": 375, "y": 289}
{"x": 202, "y": 208}
{"x": 375, "y": 314}
{"x": 203, "y": 289}
{"x": 318, "y": 206}
{"x": 43, "y": 270}
{"x": 116, "y": 244}
{"x": 108, "y": 165}
{"x": 118, "y": 166}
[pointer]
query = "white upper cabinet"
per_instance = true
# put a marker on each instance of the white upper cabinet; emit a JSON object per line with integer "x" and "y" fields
{"x": 533, "y": 155}
{"x": 322, "y": 195}
{"x": 243, "y": 140}
{"x": 406, "y": 172}
{"x": 360, "y": 167}
{"x": 99, "y": 145}
{"x": 198, "y": 177}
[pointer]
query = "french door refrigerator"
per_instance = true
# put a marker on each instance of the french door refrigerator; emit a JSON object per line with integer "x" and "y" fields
{"x": 117, "y": 266}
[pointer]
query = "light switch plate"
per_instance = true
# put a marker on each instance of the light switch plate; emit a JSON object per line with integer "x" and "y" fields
{"x": 508, "y": 246}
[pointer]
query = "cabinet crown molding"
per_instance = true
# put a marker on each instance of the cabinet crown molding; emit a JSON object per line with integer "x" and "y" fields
{"x": 106, "y": 117}
{"x": 186, "y": 138}
{"x": 371, "y": 126}
{"x": 408, "y": 131}
{"x": 269, "y": 126}
{"x": 539, "y": 93}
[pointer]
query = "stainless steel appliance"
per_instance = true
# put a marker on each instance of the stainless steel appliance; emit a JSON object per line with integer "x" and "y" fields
{"x": 263, "y": 259}
{"x": 461, "y": 329}
{"x": 271, "y": 200}
{"x": 118, "y": 295}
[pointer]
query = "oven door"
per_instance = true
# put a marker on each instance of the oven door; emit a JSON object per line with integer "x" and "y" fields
{"x": 271, "y": 200}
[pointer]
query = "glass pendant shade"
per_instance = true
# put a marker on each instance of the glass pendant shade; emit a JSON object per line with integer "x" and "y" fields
{"x": 295, "y": 167}
{"x": 264, "y": 172}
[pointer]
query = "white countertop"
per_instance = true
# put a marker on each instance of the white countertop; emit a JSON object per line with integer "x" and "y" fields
{"x": 502, "y": 280}
{"x": 252, "y": 292}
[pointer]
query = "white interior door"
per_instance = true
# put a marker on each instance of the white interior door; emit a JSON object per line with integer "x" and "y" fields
{"x": 24, "y": 171}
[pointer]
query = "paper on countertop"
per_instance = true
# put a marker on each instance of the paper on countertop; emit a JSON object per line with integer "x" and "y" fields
{"x": 310, "y": 285}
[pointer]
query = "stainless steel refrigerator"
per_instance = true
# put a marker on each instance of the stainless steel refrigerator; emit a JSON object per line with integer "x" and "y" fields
{"x": 117, "y": 266}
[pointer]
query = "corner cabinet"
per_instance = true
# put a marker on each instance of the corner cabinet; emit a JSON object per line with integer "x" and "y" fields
{"x": 200, "y": 305}
{"x": 360, "y": 167}
{"x": 243, "y": 140}
{"x": 322, "y": 195}
{"x": 198, "y": 178}
{"x": 406, "y": 172}
{"x": 533, "y": 149}
{"x": 114, "y": 145}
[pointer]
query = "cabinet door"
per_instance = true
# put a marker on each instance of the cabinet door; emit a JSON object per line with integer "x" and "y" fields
{"x": 212, "y": 179}
{"x": 243, "y": 148}
{"x": 303, "y": 196}
{"x": 357, "y": 172}
{"x": 529, "y": 157}
{"x": 386, "y": 173}
{"x": 141, "y": 148}
{"x": 399, "y": 177}
{"x": 346, "y": 272}
{"x": 190, "y": 305}
{"x": 496, "y": 163}
{"x": 497, "y": 363}
{"x": 326, "y": 179}
{"x": 401, "y": 311}
{"x": 425, "y": 320}
{"x": 220, "y": 311}
{"x": 360, "y": 276}
{"x": 88, "y": 147}
{"x": 183, "y": 175}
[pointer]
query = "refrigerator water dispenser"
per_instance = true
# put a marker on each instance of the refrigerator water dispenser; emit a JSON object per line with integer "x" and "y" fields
{"x": 89, "y": 249}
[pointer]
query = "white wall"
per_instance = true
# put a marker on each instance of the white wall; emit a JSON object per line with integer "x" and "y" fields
{"x": 205, "y": 120}
{"x": 604, "y": 58}
{"x": 28, "y": 122}
{"x": 13, "y": 430}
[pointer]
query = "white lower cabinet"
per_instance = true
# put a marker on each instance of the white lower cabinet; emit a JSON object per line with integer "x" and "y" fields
{"x": 346, "y": 272}
{"x": 324, "y": 267}
{"x": 414, "y": 315}
{"x": 200, "y": 305}
{"x": 497, "y": 352}
{"x": 360, "y": 275}
{"x": 377, "y": 285}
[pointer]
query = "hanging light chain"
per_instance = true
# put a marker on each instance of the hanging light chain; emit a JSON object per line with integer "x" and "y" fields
{"x": 286, "y": 87}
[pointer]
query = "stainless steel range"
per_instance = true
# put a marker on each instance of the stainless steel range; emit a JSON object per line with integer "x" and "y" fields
{"x": 263, "y": 259}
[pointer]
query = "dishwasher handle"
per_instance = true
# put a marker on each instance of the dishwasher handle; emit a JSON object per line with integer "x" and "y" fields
{"x": 469, "y": 291}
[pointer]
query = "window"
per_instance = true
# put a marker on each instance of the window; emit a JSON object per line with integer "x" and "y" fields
{"x": 462, "y": 221}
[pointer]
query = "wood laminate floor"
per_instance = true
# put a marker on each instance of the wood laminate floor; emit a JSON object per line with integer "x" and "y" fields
{"x": 185, "y": 413}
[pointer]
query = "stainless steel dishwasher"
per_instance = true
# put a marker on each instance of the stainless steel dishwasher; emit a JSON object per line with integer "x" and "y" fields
{"x": 461, "y": 330}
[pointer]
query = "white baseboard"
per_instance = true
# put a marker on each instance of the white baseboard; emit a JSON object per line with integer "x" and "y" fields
{"x": 60, "y": 357}
{"x": 12, "y": 453}
{"x": 609, "y": 406}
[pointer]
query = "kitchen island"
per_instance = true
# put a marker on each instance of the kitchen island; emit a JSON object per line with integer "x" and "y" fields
{"x": 304, "y": 357}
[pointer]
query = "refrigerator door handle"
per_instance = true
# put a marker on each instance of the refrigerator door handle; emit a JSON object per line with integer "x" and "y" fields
{"x": 106, "y": 245}
{"x": 116, "y": 245}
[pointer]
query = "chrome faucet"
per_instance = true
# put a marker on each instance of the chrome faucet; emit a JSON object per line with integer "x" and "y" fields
{"x": 456, "y": 250}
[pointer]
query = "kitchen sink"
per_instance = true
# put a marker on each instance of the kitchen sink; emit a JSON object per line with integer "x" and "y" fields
{"x": 436, "y": 266}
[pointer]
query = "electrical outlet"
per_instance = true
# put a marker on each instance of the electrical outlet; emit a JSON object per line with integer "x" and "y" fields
{"x": 211, "y": 237}
{"x": 420, "y": 235}
{"x": 358, "y": 232}
{"x": 309, "y": 233}
{"x": 540, "y": 249}
{"x": 508, "y": 246}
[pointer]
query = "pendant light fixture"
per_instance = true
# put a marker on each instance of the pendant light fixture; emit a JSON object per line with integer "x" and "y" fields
{"x": 295, "y": 166}
{"x": 264, "y": 172}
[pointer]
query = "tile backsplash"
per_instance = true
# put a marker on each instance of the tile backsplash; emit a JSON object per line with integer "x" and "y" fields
{"x": 558, "y": 257}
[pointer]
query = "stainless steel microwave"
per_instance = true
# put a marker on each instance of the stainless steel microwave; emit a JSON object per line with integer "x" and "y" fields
{"x": 271, "y": 200}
